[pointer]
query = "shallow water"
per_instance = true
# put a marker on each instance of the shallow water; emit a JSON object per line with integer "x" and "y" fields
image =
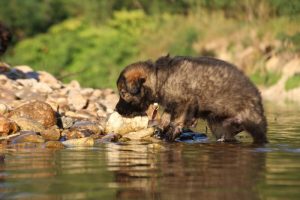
{"x": 162, "y": 171}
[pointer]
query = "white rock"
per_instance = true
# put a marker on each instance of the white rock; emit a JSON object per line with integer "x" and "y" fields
{"x": 121, "y": 125}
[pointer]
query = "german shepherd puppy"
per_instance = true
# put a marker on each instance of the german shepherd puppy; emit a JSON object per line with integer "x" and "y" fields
{"x": 189, "y": 88}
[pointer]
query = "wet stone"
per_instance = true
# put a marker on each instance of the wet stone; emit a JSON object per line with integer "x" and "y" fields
{"x": 52, "y": 134}
{"x": 37, "y": 111}
{"x": 28, "y": 136}
{"x": 138, "y": 135}
{"x": 54, "y": 145}
{"x": 192, "y": 137}
{"x": 87, "y": 125}
{"x": 82, "y": 142}
{"x": 73, "y": 134}
{"x": 110, "y": 137}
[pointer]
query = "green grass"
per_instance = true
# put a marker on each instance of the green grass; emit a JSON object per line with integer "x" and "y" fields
{"x": 292, "y": 82}
{"x": 266, "y": 79}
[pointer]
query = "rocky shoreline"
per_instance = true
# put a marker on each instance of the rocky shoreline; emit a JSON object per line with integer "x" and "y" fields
{"x": 37, "y": 110}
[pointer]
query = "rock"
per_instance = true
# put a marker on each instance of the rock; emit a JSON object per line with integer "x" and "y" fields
{"x": 49, "y": 79}
{"x": 3, "y": 109}
{"x": 15, "y": 74}
{"x": 27, "y": 94}
{"x": 52, "y": 134}
{"x": 54, "y": 145}
{"x": 26, "y": 124}
{"x": 191, "y": 137}
{"x": 37, "y": 111}
{"x": 67, "y": 122}
{"x": 82, "y": 142}
{"x": 76, "y": 100}
{"x": 73, "y": 85}
{"x": 138, "y": 135}
{"x": 79, "y": 115}
{"x": 28, "y": 136}
{"x": 7, "y": 126}
{"x": 121, "y": 125}
{"x": 110, "y": 137}
{"x": 74, "y": 134}
{"x": 87, "y": 125}
{"x": 23, "y": 68}
{"x": 7, "y": 94}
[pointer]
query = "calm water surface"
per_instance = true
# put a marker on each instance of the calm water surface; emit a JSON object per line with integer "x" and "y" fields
{"x": 162, "y": 171}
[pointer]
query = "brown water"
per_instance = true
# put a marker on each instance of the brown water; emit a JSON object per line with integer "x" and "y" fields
{"x": 161, "y": 171}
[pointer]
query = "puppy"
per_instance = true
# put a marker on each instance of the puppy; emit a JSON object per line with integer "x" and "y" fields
{"x": 5, "y": 38}
{"x": 189, "y": 88}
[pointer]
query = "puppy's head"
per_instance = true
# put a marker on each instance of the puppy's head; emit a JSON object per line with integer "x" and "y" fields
{"x": 134, "y": 94}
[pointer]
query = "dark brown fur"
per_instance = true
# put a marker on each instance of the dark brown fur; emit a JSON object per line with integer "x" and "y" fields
{"x": 190, "y": 88}
{"x": 5, "y": 38}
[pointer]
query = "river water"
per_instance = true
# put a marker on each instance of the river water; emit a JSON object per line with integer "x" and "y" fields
{"x": 141, "y": 170}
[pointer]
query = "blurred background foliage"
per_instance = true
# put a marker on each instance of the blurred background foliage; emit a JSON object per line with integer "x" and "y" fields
{"x": 92, "y": 40}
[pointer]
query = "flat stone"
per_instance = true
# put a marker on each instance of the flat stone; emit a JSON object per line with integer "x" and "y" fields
{"x": 82, "y": 142}
{"x": 54, "y": 145}
{"x": 138, "y": 135}
{"x": 28, "y": 136}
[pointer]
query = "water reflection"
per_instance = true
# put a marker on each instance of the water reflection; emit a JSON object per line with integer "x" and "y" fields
{"x": 160, "y": 171}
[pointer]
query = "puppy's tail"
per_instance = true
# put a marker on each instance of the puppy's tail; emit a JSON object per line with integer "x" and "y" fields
{"x": 255, "y": 123}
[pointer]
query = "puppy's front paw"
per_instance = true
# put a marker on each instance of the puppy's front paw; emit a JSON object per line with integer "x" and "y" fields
{"x": 172, "y": 132}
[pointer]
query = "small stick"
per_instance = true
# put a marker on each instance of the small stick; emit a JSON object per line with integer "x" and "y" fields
{"x": 9, "y": 136}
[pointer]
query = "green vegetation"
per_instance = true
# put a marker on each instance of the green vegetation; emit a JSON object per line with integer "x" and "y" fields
{"x": 92, "y": 41}
{"x": 292, "y": 82}
{"x": 267, "y": 79}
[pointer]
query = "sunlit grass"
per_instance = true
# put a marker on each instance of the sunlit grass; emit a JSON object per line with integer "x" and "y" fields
{"x": 292, "y": 82}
